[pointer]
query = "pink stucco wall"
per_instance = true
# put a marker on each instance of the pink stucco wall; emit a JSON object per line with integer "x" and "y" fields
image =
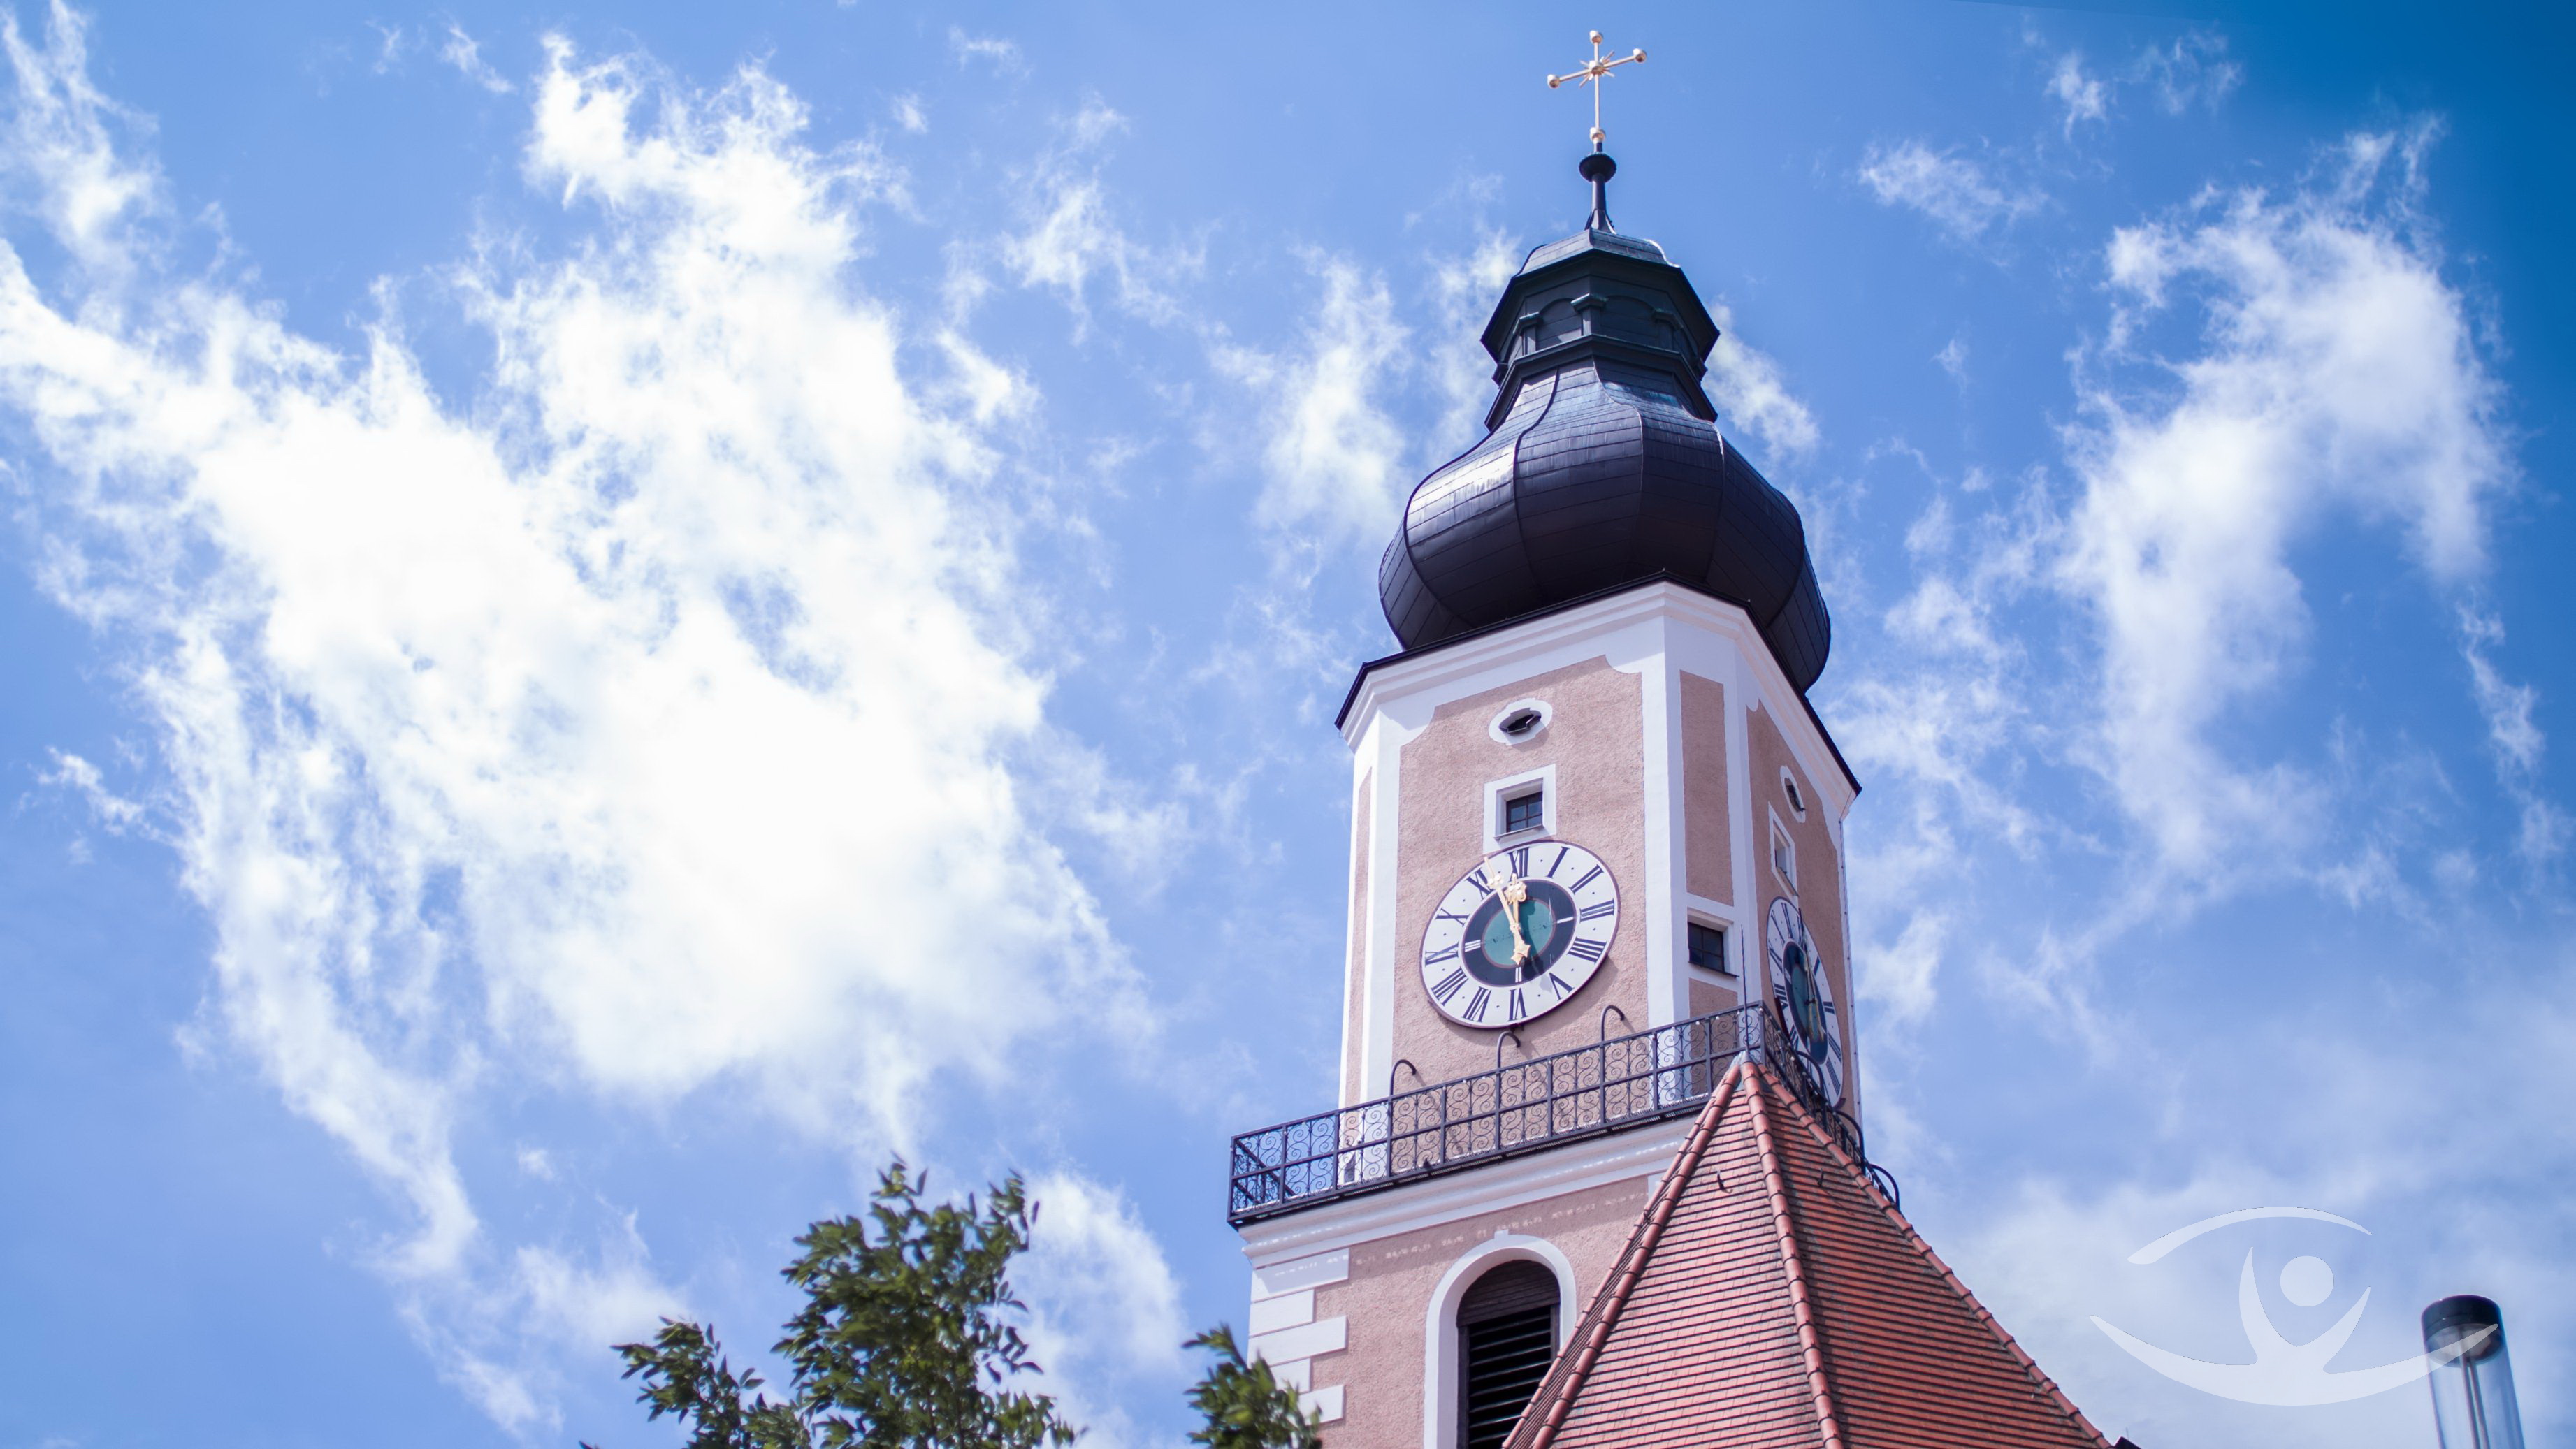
{"x": 1707, "y": 843}
{"x": 1387, "y": 1301}
{"x": 1596, "y": 741}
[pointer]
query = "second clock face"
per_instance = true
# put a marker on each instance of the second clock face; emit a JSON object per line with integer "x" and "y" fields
{"x": 1804, "y": 996}
{"x": 1519, "y": 934}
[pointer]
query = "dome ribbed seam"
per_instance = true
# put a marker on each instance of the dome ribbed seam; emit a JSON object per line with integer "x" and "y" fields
{"x": 1520, "y": 531}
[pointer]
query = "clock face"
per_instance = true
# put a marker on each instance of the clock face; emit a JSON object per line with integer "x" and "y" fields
{"x": 1804, "y": 997}
{"x": 1519, "y": 934}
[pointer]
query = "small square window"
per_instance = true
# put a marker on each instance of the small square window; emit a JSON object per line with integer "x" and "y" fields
{"x": 1784, "y": 854}
{"x": 1708, "y": 948}
{"x": 1525, "y": 812}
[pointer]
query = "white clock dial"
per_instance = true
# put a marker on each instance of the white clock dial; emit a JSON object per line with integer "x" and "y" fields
{"x": 1518, "y": 935}
{"x": 1803, "y": 994}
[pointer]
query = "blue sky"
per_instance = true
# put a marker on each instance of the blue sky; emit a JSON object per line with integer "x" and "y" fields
{"x": 611, "y": 612}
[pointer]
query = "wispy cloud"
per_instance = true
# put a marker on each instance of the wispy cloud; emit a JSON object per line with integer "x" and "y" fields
{"x": 2086, "y": 97}
{"x": 1753, "y": 394}
{"x": 1001, "y": 54}
{"x": 1070, "y": 236}
{"x": 1335, "y": 461}
{"x": 461, "y": 51}
{"x": 1957, "y": 193}
{"x": 72, "y": 144}
{"x": 2193, "y": 71}
{"x": 2340, "y": 376}
{"x": 2513, "y": 737}
{"x": 1105, "y": 1310}
{"x": 547, "y": 736}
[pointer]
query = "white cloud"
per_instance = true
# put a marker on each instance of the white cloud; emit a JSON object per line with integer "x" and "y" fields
{"x": 392, "y": 41}
{"x": 2194, "y": 70}
{"x": 2085, "y": 96}
{"x": 1002, "y": 55}
{"x": 1902, "y": 976}
{"x": 2513, "y": 737}
{"x": 600, "y": 732}
{"x": 64, "y": 138}
{"x": 2339, "y": 376}
{"x": 909, "y": 114}
{"x": 461, "y": 52}
{"x": 1463, "y": 286}
{"x": 1953, "y": 359}
{"x": 1335, "y": 460}
{"x": 1955, "y": 192}
{"x": 2191, "y": 71}
{"x": 1751, "y": 393}
{"x": 70, "y": 772}
{"x": 1105, "y": 1310}
{"x": 1070, "y": 238}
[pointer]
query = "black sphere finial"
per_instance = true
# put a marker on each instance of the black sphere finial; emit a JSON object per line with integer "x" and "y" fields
{"x": 1598, "y": 168}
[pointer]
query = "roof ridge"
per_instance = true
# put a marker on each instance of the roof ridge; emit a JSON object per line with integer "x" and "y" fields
{"x": 1563, "y": 1382}
{"x": 1811, "y": 1343}
{"x": 1933, "y": 1259}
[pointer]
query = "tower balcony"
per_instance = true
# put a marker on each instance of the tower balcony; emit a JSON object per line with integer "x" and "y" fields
{"x": 1615, "y": 1084}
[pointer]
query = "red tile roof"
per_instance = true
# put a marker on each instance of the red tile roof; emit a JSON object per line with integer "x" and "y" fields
{"x": 1769, "y": 1297}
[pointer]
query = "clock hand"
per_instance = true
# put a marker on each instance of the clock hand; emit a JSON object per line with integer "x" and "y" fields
{"x": 1512, "y": 895}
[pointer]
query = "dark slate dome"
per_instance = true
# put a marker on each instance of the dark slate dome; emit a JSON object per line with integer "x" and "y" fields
{"x": 1603, "y": 467}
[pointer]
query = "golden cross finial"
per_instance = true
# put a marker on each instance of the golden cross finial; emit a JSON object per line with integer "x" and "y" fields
{"x": 1593, "y": 75}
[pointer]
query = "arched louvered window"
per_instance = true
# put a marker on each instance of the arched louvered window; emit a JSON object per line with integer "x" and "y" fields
{"x": 1506, "y": 1339}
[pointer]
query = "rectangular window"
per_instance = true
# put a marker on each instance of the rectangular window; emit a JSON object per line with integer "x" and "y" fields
{"x": 1784, "y": 854}
{"x": 1525, "y": 812}
{"x": 1708, "y": 948}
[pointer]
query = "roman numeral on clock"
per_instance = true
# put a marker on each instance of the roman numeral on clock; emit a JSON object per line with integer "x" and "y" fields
{"x": 1519, "y": 857}
{"x": 1477, "y": 879}
{"x": 1445, "y": 953}
{"x": 1477, "y": 1003}
{"x": 1596, "y": 912}
{"x": 1449, "y": 985}
{"x": 1513, "y": 1008}
{"x": 1588, "y": 950}
{"x": 1560, "y": 860}
{"x": 1556, "y": 984}
{"x": 1449, "y": 916}
{"x": 1587, "y": 878}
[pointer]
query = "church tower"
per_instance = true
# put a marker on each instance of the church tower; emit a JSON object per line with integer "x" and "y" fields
{"x": 1596, "y": 863}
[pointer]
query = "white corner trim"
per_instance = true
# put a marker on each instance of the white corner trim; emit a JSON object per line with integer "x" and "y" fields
{"x": 1288, "y": 1310}
{"x": 1440, "y": 1350}
{"x": 1667, "y": 851}
{"x": 1325, "y": 1335}
{"x": 1324, "y": 1403}
{"x": 1301, "y": 1274}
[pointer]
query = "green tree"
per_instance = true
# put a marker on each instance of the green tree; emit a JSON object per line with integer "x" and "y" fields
{"x": 905, "y": 1340}
{"x": 1244, "y": 1406}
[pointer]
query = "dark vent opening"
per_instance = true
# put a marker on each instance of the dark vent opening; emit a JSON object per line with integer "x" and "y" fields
{"x": 1507, "y": 1334}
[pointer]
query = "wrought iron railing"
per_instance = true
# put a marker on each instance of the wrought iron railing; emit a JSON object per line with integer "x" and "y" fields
{"x": 1616, "y": 1083}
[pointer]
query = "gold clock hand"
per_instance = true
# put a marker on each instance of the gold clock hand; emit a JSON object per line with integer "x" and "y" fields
{"x": 1513, "y": 894}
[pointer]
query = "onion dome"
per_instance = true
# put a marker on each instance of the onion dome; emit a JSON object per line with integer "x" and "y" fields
{"x": 1603, "y": 466}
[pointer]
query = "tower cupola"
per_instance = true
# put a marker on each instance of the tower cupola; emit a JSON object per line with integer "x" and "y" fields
{"x": 1602, "y": 465}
